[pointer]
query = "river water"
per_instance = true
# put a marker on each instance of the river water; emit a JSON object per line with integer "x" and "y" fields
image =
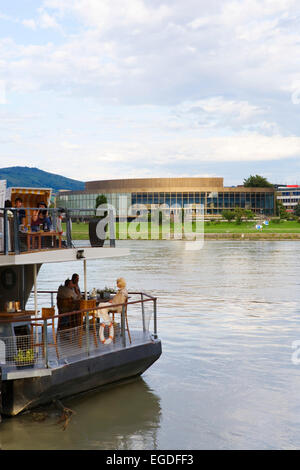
{"x": 228, "y": 377}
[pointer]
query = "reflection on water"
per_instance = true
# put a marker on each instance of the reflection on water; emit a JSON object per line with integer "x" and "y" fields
{"x": 228, "y": 315}
{"x": 123, "y": 417}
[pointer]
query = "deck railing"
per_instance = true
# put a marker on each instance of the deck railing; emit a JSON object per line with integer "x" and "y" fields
{"x": 11, "y": 234}
{"x": 46, "y": 349}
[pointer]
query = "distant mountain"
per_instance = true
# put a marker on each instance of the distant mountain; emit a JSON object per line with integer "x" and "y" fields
{"x": 25, "y": 176}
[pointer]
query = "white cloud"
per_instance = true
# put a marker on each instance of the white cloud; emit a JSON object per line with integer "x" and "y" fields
{"x": 70, "y": 146}
{"x": 208, "y": 81}
{"x": 135, "y": 51}
{"x": 221, "y": 111}
{"x": 3, "y": 92}
{"x": 30, "y": 23}
{"x": 109, "y": 14}
{"x": 112, "y": 157}
{"x": 47, "y": 21}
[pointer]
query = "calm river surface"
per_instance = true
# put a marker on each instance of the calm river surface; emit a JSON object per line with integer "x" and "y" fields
{"x": 228, "y": 315}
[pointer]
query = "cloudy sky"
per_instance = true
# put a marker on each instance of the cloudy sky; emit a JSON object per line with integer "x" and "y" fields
{"x": 98, "y": 89}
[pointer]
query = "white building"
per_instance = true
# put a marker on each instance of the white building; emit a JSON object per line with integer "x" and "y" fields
{"x": 289, "y": 195}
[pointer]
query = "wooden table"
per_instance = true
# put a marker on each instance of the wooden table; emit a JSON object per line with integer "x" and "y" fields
{"x": 34, "y": 239}
{"x": 13, "y": 316}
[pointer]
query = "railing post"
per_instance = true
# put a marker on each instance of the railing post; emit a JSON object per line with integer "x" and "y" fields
{"x": 155, "y": 318}
{"x": 52, "y": 300}
{"x": 16, "y": 233}
{"x": 123, "y": 332}
{"x": 68, "y": 229}
{"x": 5, "y": 230}
{"x": 112, "y": 236}
{"x": 45, "y": 331}
{"x": 54, "y": 219}
{"x": 87, "y": 333}
{"x": 0, "y": 394}
{"x": 143, "y": 313}
{"x": 23, "y": 287}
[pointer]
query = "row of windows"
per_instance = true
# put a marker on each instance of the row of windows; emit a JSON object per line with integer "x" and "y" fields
{"x": 212, "y": 201}
{"x": 88, "y": 201}
{"x": 226, "y": 200}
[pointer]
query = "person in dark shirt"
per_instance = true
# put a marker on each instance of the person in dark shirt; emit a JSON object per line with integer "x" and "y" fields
{"x": 44, "y": 217}
{"x": 21, "y": 212}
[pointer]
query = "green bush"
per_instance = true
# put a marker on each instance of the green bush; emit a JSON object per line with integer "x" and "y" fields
{"x": 297, "y": 210}
{"x": 228, "y": 215}
{"x": 249, "y": 214}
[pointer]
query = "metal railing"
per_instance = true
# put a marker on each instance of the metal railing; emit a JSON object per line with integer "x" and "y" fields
{"x": 46, "y": 347}
{"x": 11, "y": 234}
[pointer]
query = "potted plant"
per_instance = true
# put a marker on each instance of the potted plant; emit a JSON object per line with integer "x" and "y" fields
{"x": 105, "y": 293}
{"x": 25, "y": 358}
{"x": 94, "y": 240}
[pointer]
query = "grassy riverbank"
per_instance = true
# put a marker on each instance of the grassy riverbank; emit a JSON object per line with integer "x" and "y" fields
{"x": 284, "y": 229}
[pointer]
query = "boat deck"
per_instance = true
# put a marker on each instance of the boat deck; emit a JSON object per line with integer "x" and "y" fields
{"x": 72, "y": 346}
{"x": 70, "y": 350}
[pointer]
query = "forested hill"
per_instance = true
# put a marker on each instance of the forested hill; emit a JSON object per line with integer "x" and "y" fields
{"x": 25, "y": 176}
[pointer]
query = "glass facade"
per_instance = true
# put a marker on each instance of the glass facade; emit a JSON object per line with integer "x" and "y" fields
{"x": 214, "y": 202}
{"x": 121, "y": 202}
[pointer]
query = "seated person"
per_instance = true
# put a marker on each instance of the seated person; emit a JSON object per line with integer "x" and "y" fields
{"x": 35, "y": 221}
{"x": 66, "y": 292}
{"x": 119, "y": 298}
{"x": 44, "y": 217}
{"x": 21, "y": 212}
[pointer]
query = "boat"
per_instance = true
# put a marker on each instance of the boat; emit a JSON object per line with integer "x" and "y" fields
{"x": 40, "y": 362}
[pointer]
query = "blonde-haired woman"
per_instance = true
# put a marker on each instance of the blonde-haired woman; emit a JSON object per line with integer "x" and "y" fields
{"x": 121, "y": 285}
{"x": 119, "y": 298}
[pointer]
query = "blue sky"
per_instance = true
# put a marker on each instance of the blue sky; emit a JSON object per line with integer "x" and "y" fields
{"x": 97, "y": 89}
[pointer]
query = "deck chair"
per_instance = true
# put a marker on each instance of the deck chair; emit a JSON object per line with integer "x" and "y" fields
{"x": 65, "y": 306}
{"x": 47, "y": 313}
{"x": 84, "y": 305}
{"x": 119, "y": 310}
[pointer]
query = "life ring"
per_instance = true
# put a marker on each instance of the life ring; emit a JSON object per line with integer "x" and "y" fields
{"x": 111, "y": 333}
